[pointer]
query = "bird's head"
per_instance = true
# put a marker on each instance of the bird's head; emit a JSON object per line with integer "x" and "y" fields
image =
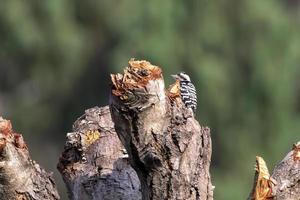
{"x": 182, "y": 76}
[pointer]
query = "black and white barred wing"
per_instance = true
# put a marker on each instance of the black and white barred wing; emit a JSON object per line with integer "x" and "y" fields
{"x": 188, "y": 95}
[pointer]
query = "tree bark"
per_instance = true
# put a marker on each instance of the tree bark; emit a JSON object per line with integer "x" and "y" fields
{"x": 94, "y": 165}
{"x": 169, "y": 151}
{"x": 20, "y": 177}
{"x": 283, "y": 184}
{"x": 287, "y": 176}
{"x": 167, "y": 147}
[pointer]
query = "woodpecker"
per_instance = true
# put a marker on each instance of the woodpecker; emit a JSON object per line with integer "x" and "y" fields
{"x": 187, "y": 90}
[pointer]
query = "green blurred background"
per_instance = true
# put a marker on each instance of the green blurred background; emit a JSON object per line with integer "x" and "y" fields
{"x": 242, "y": 55}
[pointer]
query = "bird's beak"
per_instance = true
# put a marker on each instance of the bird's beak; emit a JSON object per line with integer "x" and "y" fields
{"x": 174, "y": 76}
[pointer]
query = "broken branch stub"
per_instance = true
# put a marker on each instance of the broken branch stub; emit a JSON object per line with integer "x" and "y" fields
{"x": 21, "y": 177}
{"x": 262, "y": 186}
{"x": 167, "y": 147}
{"x": 283, "y": 184}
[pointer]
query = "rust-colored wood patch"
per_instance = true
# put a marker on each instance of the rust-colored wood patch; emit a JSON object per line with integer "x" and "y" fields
{"x": 296, "y": 151}
{"x": 263, "y": 181}
{"x": 136, "y": 75}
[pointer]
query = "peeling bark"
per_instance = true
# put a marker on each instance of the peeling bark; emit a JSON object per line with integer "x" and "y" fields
{"x": 167, "y": 147}
{"x": 94, "y": 165}
{"x": 21, "y": 177}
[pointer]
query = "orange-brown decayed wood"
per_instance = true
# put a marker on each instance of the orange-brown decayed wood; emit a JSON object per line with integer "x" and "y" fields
{"x": 174, "y": 91}
{"x": 263, "y": 181}
{"x": 136, "y": 75}
{"x": 296, "y": 151}
{"x": 7, "y": 131}
{"x": 5, "y": 126}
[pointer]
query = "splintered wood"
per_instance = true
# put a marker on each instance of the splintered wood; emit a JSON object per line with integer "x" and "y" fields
{"x": 140, "y": 87}
{"x": 8, "y": 135}
{"x": 296, "y": 151}
{"x": 174, "y": 90}
{"x": 263, "y": 181}
{"x": 5, "y": 126}
{"x": 136, "y": 75}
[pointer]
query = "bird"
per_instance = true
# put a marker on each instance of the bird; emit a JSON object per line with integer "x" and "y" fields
{"x": 187, "y": 89}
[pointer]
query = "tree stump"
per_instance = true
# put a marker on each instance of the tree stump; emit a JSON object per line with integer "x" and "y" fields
{"x": 167, "y": 147}
{"x": 94, "y": 165}
{"x": 20, "y": 177}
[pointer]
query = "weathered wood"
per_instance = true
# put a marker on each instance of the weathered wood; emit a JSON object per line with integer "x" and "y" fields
{"x": 94, "y": 165}
{"x": 287, "y": 176}
{"x": 21, "y": 177}
{"x": 283, "y": 184}
{"x": 167, "y": 147}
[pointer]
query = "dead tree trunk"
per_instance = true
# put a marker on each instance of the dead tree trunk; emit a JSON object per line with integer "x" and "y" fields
{"x": 21, "y": 177}
{"x": 169, "y": 150}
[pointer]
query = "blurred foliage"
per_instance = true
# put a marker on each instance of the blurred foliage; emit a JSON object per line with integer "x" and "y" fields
{"x": 243, "y": 56}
